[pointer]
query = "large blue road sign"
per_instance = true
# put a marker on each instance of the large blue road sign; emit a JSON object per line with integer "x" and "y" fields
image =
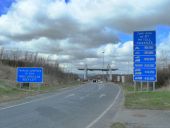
{"x": 145, "y": 56}
{"x": 29, "y": 75}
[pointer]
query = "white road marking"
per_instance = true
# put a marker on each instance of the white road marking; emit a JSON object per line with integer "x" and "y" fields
{"x": 83, "y": 97}
{"x": 102, "y": 114}
{"x": 100, "y": 87}
{"x": 40, "y": 99}
{"x": 102, "y": 95}
{"x": 70, "y": 95}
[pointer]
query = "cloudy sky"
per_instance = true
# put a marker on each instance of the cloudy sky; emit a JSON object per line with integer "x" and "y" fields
{"x": 76, "y": 32}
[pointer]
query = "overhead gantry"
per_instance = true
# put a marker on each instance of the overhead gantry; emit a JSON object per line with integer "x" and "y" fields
{"x": 108, "y": 70}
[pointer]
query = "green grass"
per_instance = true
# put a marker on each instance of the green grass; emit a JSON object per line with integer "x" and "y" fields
{"x": 8, "y": 93}
{"x": 128, "y": 88}
{"x": 148, "y": 100}
{"x": 5, "y": 88}
{"x": 118, "y": 125}
{"x": 55, "y": 87}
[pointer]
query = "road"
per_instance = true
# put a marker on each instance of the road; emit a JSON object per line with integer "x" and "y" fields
{"x": 86, "y": 106}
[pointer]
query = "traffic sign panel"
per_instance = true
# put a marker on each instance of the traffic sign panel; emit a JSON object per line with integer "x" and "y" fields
{"x": 145, "y": 38}
{"x": 144, "y": 47}
{"x": 145, "y": 78}
{"x": 29, "y": 75}
{"x": 148, "y": 52}
{"x": 145, "y": 59}
{"x": 144, "y": 65}
{"x": 145, "y": 56}
{"x": 140, "y": 71}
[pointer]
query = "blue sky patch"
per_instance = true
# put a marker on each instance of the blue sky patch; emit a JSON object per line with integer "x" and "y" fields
{"x": 125, "y": 37}
{"x": 162, "y": 32}
{"x": 67, "y": 1}
{"x": 5, "y": 5}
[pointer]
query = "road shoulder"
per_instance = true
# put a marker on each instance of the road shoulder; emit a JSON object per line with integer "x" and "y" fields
{"x": 143, "y": 118}
{"x": 144, "y": 109}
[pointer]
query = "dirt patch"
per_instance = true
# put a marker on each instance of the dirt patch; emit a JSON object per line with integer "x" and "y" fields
{"x": 139, "y": 115}
{"x": 143, "y": 118}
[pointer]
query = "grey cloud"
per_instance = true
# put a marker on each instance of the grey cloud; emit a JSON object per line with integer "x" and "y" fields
{"x": 53, "y": 29}
{"x": 94, "y": 37}
{"x": 129, "y": 22}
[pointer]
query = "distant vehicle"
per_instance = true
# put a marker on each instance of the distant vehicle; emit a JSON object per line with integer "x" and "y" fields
{"x": 94, "y": 81}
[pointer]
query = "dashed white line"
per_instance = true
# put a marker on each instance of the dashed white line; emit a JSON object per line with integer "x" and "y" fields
{"x": 102, "y": 114}
{"x": 70, "y": 95}
{"x": 102, "y": 95}
{"x": 83, "y": 97}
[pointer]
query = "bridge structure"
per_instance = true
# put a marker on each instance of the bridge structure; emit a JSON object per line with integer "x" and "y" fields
{"x": 108, "y": 71}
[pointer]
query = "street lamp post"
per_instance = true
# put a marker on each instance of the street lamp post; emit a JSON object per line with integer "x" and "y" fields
{"x": 103, "y": 66}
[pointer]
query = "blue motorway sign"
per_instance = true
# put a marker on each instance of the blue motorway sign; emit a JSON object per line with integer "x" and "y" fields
{"x": 145, "y": 56}
{"x": 29, "y": 75}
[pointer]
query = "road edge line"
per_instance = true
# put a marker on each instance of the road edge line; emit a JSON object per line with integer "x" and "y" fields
{"x": 102, "y": 114}
{"x": 39, "y": 99}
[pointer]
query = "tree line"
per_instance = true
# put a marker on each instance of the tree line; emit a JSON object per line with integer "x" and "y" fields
{"x": 18, "y": 58}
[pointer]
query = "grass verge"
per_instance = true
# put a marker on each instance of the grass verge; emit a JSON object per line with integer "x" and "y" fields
{"x": 9, "y": 93}
{"x": 159, "y": 100}
{"x": 118, "y": 125}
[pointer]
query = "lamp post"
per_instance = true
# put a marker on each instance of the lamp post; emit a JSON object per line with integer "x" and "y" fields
{"x": 103, "y": 66}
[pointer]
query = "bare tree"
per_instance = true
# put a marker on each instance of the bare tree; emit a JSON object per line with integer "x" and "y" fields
{"x": 164, "y": 59}
{"x": 1, "y": 54}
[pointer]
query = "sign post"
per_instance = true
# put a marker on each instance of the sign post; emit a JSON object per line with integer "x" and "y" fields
{"x": 144, "y": 56}
{"x": 141, "y": 86}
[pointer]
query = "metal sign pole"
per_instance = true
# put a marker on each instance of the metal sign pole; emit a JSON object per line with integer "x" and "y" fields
{"x": 148, "y": 86}
{"x": 20, "y": 85}
{"x": 135, "y": 86}
{"x": 39, "y": 87}
{"x": 153, "y": 86}
{"x": 141, "y": 86}
{"x": 29, "y": 84}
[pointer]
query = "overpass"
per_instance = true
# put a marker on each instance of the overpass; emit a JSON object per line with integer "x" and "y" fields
{"x": 108, "y": 70}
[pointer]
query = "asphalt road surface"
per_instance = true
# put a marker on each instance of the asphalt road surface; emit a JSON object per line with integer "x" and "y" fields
{"x": 86, "y": 106}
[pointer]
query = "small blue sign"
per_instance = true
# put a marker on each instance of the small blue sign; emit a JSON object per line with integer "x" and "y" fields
{"x": 145, "y": 56}
{"x": 29, "y": 75}
{"x": 143, "y": 47}
{"x": 148, "y": 52}
{"x": 139, "y": 71}
{"x": 142, "y": 65}
{"x": 145, "y": 38}
{"x": 145, "y": 59}
{"x": 145, "y": 78}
